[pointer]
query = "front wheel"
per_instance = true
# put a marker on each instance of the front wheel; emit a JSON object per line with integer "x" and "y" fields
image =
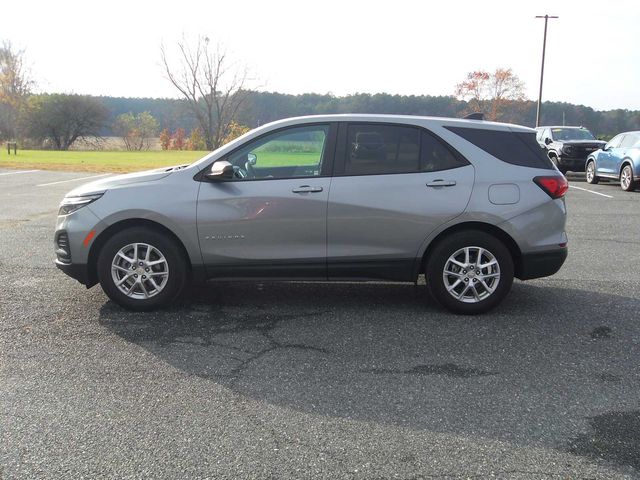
{"x": 141, "y": 269}
{"x": 627, "y": 182}
{"x": 592, "y": 178}
{"x": 469, "y": 272}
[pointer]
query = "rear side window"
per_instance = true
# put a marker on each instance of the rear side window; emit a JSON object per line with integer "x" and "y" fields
{"x": 516, "y": 148}
{"x": 437, "y": 156}
{"x": 381, "y": 149}
{"x": 631, "y": 140}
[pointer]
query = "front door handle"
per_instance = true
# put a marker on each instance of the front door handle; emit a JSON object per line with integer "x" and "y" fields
{"x": 306, "y": 189}
{"x": 441, "y": 183}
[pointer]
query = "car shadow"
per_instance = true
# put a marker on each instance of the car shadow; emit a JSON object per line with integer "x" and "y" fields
{"x": 535, "y": 371}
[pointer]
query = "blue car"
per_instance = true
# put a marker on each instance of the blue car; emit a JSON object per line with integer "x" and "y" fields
{"x": 619, "y": 160}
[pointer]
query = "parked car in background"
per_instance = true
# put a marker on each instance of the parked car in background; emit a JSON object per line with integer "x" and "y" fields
{"x": 471, "y": 204}
{"x": 568, "y": 147}
{"x": 618, "y": 160}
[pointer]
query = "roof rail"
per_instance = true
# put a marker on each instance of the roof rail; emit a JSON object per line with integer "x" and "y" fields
{"x": 474, "y": 116}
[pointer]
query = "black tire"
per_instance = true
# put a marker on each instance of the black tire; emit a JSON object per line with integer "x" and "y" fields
{"x": 176, "y": 267}
{"x": 591, "y": 179}
{"x": 440, "y": 255}
{"x": 631, "y": 185}
{"x": 554, "y": 160}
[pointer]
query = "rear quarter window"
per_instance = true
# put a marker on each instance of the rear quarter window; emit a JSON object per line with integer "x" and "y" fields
{"x": 516, "y": 148}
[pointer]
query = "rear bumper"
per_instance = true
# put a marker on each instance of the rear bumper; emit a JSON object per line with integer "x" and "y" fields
{"x": 76, "y": 271}
{"x": 541, "y": 264}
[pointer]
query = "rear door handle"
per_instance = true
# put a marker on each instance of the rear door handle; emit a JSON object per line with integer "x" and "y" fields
{"x": 306, "y": 189}
{"x": 441, "y": 183}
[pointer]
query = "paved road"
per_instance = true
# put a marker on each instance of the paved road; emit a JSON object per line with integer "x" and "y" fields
{"x": 313, "y": 380}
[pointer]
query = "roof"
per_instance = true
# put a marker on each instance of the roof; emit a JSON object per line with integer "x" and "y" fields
{"x": 409, "y": 119}
{"x": 562, "y": 126}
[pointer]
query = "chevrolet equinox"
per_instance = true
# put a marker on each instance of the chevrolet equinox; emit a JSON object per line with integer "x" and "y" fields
{"x": 468, "y": 203}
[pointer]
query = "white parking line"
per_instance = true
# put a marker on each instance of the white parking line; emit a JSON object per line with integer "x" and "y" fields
{"x": 72, "y": 180}
{"x": 590, "y": 191}
{"x": 21, "y": 171}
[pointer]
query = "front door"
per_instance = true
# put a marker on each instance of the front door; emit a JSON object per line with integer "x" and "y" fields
{"x": 607, "y": 159}
{"x": 393, "y": 185}
{"x": 270, "y": 220}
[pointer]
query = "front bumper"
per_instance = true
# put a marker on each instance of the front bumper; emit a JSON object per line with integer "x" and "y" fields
{"x": 572, "y": 163}
{"x": 541, "y": 264}
{"x": 76, "y": 271}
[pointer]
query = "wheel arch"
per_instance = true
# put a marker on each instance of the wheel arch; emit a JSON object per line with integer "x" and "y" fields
{"x": 504, "y": 237}
{"x": 625, "y": 161}
{"x": 111, "y": 230}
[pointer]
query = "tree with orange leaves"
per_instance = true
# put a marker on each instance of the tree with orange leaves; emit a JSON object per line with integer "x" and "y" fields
{"x": 491, "y": 93}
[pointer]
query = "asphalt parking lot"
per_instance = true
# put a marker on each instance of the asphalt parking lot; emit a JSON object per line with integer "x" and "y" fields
{"x": 319, "y": 380}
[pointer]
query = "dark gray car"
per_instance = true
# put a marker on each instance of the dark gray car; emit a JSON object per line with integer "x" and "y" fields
{"x": 471, "y": 204}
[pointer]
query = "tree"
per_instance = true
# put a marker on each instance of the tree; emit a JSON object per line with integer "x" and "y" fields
{"x": 15, "y": 86}
{"x": 136, "y": 130}
{"x": 196, "y": 140}
{"x": 178, "y": 139}
{"x": 165, "y": 139}
{"x": 235, "y": 130}
{"x": 491, "y": 93}
{"x": 213, "y": 88}
{"x": 62, "y": 119}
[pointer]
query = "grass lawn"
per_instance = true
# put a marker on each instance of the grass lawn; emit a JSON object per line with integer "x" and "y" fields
{"x": 281, "y": 159}
{"x": 99, "y": 161}
{"x": 120, "y": 161}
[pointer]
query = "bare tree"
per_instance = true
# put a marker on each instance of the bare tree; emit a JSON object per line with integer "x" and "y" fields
{"x": 15, "y": 86}
{"x": 214, "y": 88}
{"x": 491, "y": 92}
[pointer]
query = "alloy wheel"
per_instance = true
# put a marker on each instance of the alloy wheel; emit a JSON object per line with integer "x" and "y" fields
{"x": 625, "y": 178}
{"x": 471, "y": 274}
{"x": 139, "y": 270}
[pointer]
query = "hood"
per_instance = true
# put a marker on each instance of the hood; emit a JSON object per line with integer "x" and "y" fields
{"x": 100, "y": 186}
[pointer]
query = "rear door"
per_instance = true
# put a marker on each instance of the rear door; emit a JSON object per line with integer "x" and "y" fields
{"x": 626, "y": 148}
{"x": 393, "y": 185}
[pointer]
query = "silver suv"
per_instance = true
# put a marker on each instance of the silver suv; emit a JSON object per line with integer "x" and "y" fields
{"x": 469, "y": 203}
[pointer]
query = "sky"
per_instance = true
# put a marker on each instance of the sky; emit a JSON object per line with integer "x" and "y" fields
{"x": 339, "y": 47}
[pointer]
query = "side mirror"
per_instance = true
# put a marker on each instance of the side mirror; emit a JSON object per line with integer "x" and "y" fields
{"x": 221, "y": 171}
{"x": 252, "y": 159}
{"x": 548, "y": 141}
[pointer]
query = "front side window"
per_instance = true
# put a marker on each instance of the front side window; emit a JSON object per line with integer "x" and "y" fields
{"x": 615, "y": 141}
{"x": 290, "y": 153}
{"x": 381, "y": 149}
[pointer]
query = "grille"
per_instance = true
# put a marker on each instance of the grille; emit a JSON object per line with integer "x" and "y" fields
{"x": 63, "y": 252}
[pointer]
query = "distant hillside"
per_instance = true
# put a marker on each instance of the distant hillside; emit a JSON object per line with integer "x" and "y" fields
{"x": 264, "y": 107}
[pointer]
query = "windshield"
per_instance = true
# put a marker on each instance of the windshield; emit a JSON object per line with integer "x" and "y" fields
{"x": 571, "y": 134}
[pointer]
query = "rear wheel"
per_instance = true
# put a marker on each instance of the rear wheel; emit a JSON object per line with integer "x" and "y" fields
{"x": 627, "y": 182}
{"x": 592, "y": 178}
{"x": 469, "y": 272}
{"x": 141, "y": 269}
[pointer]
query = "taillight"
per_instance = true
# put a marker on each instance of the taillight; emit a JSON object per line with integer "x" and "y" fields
{"x": 555, "y": 186}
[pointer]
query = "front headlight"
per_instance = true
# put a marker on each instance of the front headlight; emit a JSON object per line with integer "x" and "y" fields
{"x": 567, "y": 149}
{"x": 71, "y": 204}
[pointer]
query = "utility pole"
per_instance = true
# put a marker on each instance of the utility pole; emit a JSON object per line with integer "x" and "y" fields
{"x": 544, "y": 47}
